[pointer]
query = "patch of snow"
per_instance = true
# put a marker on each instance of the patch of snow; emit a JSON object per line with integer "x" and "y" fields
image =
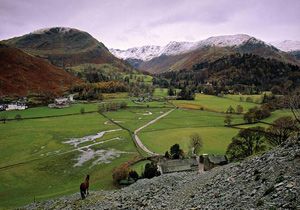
{"x": 287, "y": 45}
{"x": 149, "y": 52}
{"x": 59, "y": 30}
{"x": 76, "y": 141}
{"x": 225, "y": 41}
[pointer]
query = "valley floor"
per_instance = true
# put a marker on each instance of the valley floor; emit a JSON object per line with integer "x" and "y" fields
{"x": 48, "y": 153}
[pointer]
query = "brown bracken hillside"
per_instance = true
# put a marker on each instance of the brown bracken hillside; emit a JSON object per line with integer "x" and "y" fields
{"x": 22, "y": 74}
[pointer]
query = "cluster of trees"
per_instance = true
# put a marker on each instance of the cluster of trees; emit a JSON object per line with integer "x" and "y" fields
{"x": 239, "y": 73}
{"x": 97, "y": 73}
{"x": 175, "y": 152}
{"x": 141, "y": 90}
{"x": 186, "y": 94}
{"x": 254, "y": 140}
{"x": 238, "y": 110}
{"x": 124, "y": 173}
{"x": 256, "y": 113}
{"x": 195, "y": 145}
{"x": 93, "y": 91}
{"x": 111, "y": 106}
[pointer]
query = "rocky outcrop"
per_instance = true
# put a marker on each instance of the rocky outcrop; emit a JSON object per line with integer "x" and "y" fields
{"x": 270, "y": 181}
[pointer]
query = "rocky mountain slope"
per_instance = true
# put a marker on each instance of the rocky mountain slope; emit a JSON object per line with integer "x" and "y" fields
{"x": 270, "y": 181}
{"x": 183, "y": 55}
{"x": 66, "y": 47}
{"x": 22, "y": 74}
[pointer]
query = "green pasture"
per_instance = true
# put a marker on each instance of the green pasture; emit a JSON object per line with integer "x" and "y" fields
{"x": 35, "y": 163}
{"x": 46, "y": 164}
{"x": 180, "y": 124}
{"x": 215, "y": 139}
{"x": 133, "y": 118}
{"x": 46, "y": 111}
{"x": 214, "y": 103}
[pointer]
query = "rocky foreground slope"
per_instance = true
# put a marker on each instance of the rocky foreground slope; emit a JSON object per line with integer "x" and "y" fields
{"x": 271, "y": 181}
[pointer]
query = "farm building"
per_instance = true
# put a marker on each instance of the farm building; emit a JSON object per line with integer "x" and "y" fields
{"x": 16, "y": 106}
{"x": 60, "y": 103}
{"x": 170, "y": 166}
{"x": 3, "y": 107}
{"x": 211, "y": 161}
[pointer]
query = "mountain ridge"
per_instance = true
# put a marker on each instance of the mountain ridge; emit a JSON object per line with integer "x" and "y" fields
{"x": 183, "y": 55}
{"x": 176, "y": 47}
{"x": 66, "y": 47}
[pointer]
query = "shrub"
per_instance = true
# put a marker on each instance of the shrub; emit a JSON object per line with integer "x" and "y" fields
{"x": 120, "y": 173}
{"x": 150, "y": 170}
{"x": 176, "y": 152}
{"x": 133, "y": 175}
{"x": 18, "y": 117}
{"x": 123, "y": 105}
{"x": 255, "y": 114}
{"x": 196, "y": 143}
{"x": 230, "y": 110}
{"x": 248, "y": 142}
{"x": 239, "y": 109}
{"x": 228, "y": 120}
{"x": 82, "y": 110}
{"x": 3, "y": 118}
{"x": 280, "y": 130}
{"x": 249, "y": 99}
{"x": 167, "y": 155}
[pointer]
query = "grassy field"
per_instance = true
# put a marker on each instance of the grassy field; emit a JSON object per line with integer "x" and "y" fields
{"x": 45, "y": 111}
{"x": 214, "y": 103}
{"x": 180, "y": 124}
{"x": 48, "y": 165}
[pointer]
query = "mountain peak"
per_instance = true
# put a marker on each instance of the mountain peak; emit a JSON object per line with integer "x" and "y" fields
{"x": 225, "y": 40}
{"x": 55, "y": 30}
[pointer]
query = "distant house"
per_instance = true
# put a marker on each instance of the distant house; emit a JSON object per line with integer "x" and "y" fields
{"x": 211, "y": 161}
{"x": 177, "y": 165}
{"x": 3, "y": 107}
{"x": 60, "y": 103}
{"x": 16, "y": 106}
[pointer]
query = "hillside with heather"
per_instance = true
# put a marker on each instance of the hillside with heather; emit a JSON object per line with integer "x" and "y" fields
{"x": 22, "y": 74}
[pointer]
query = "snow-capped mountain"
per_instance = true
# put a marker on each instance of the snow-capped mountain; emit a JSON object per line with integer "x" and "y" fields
{"x": 225, "y": 41}
{"x": 146, "y": 53}
{"x": 287, "y": 45}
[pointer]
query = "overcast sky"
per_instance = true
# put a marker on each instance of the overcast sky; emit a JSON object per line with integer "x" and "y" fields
{"x": 128, "y": 23}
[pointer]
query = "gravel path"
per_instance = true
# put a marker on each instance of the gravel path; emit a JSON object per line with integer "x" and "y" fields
{"x": 138, "y": 140}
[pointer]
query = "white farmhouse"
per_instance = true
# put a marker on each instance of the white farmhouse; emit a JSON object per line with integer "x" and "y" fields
{"x": 16, "y": 106}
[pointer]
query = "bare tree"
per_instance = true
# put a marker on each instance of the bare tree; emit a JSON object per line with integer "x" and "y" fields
{"x": 196, "y": 143}
{"x": 294, "y": 103}
{"x": 280, "y": 130}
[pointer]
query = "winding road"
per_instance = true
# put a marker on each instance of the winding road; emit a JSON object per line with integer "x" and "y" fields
{"x": 138, "y": 140}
